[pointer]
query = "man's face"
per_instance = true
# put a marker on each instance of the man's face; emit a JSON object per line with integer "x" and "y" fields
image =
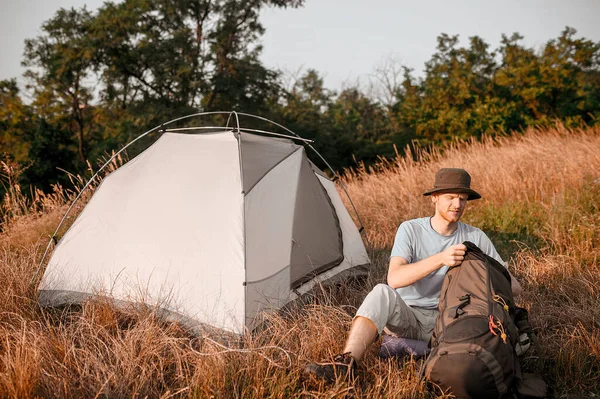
{"x": 450, "y": 206}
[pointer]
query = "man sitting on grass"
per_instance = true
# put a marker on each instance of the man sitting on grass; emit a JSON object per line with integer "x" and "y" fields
{"x": 423, "y": 251}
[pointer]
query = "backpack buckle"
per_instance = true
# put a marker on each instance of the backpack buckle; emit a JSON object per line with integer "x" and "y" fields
{"x": 464, "y": 301}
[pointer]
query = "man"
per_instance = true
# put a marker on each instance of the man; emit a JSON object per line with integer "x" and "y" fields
{"x": 423, "y": 251}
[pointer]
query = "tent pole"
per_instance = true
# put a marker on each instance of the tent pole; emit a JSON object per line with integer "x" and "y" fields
{"x": 237, "y": 134}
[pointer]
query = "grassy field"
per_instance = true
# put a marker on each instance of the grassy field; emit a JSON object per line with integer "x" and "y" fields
{"x": 540, "y": 206}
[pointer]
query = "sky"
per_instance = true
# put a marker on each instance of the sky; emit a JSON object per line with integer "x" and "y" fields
{"x": 347, "y": 40}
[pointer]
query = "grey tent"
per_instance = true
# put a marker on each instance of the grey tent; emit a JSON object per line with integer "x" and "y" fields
{"x": 212, "y": 227}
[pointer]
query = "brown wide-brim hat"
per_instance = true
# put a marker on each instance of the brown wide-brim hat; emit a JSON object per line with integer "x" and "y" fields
{"x": 453, "y": 180}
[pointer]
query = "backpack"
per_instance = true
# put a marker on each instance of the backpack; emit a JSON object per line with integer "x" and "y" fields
{"x": 473, "y": 344}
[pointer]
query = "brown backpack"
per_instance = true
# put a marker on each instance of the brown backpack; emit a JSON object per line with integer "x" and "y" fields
{"x": 473, "y": 344}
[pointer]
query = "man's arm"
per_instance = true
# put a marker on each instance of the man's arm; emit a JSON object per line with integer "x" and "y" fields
{"x": 401, "y": 273}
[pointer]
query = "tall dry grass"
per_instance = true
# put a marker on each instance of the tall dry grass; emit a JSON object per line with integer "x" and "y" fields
{"x": 512, "y": 173}
{"x": 540, "y": 206}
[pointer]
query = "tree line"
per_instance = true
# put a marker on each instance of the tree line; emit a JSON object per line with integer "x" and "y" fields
{"x": 97, "y": 79}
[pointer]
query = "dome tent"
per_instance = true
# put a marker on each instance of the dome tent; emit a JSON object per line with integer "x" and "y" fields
{"x": 212, "y": 225}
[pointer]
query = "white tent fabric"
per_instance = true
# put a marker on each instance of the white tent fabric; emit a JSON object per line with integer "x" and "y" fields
{"x": 181, "y": 227}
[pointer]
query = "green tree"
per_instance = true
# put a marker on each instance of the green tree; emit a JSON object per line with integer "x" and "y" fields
{"x": 15, "y": 122}
{"x": 101, "y": 78}
{"x": 106, "y": 76}
{"x": 361, "y": 126}
{"x": 51, "y": 155}
{"x": 302, "y": 109}
{"x": 38, "y": 148}
{"x": 561, "y": 82}
{"x": 59, "y": 66}
{"x": 347, "y": 127}
{"x": 161, "y": 59}
{"x": 456, "y": 91}
{"x": 570, "y": 72}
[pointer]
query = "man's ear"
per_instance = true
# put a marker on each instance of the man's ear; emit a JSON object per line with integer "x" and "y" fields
{"x": 434, "y": 198}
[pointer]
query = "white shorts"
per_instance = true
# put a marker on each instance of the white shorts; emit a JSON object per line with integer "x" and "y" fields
{"x": 386, "y": 308}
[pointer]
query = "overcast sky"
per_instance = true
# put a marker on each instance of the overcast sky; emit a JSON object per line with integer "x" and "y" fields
{"x": 345, "y": 40}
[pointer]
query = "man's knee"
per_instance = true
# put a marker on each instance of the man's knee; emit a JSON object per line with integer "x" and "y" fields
{"x": 383, "y": 290}
{"x": 384, "y": 296}
{"x": 378, "y": 305}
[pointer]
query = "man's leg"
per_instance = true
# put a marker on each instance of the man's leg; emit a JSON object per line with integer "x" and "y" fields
{"x": 414, "y": 337}
{"x": 363, "y": 333}
{"x": 381, "y": 305}
{"x": 420, "y": 329}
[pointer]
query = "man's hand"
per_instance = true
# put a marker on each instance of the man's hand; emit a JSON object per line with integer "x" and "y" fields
{"x": 454, "y": 255}
{"x": 401, "y": 273}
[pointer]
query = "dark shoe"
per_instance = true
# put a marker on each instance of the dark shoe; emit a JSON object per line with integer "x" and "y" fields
{"x": 343, "y": 366}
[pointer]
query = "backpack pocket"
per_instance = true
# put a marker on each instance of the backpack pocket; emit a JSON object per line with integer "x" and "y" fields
{"x": 466, "y": 328}
{"x": 472, "y": 362}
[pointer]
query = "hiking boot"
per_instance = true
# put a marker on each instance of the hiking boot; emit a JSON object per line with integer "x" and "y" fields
{"x": 343, "y": 366}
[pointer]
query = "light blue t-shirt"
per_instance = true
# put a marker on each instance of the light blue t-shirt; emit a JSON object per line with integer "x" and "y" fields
{"x": 417, "y": 240}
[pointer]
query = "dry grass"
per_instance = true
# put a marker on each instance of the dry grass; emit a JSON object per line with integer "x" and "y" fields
{"x": 540, "y": 207}
{"x": 512, "y": 173}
